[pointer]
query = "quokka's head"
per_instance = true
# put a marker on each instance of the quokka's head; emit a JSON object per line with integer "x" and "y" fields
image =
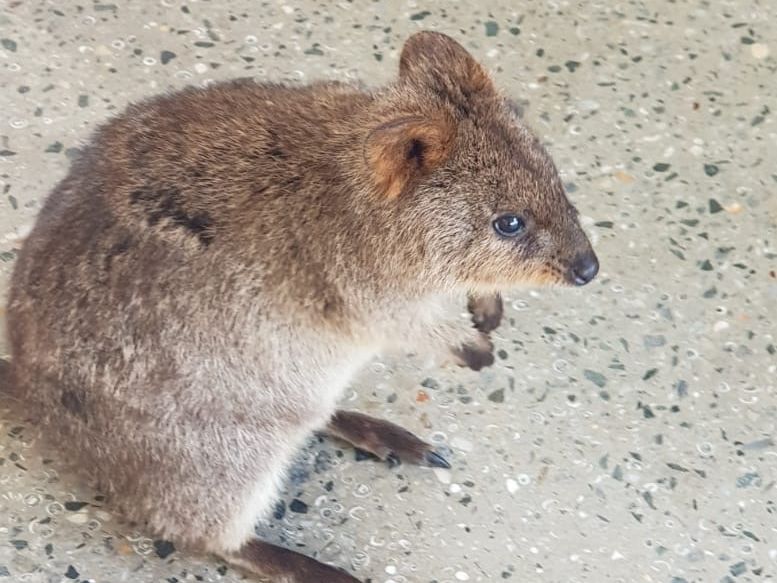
{"x": 468, "y": 186}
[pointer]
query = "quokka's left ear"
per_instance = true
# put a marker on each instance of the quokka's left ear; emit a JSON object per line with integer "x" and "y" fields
{"x": 435, "y": 60}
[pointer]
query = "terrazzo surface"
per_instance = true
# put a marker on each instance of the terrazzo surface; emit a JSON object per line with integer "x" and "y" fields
{"x": 627, "y": 431}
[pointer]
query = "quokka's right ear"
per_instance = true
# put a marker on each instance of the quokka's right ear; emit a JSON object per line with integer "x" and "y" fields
{"x": 401, "y": 151}
{"x": 435, "y": 60}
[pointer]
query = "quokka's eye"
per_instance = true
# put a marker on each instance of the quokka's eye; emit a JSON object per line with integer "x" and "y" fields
{"x": 509, "y": 225}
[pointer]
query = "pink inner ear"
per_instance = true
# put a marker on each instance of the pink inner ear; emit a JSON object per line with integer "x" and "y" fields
{"x": 405, "y": 149}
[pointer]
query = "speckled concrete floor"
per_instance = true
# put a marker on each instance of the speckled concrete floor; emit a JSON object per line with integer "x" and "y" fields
{"x": 627, "y": 431}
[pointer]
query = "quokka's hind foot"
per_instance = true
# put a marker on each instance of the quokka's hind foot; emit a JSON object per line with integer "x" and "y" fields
{"x": 281, "y": 565}
{"x": 384, "y": 439}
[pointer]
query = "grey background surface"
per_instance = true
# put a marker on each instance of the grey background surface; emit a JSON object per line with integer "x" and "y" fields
{"x": 626, "y": 432}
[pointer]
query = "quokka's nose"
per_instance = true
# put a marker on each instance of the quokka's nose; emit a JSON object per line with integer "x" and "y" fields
{"x": 584, "y": 268}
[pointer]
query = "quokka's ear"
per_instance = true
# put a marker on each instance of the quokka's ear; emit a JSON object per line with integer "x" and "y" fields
{"x": 401, "y": 151}
{"x": 437, "y": 61}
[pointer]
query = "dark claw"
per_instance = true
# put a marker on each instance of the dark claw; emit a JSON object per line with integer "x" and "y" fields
{"x": 393, "y": 460}
{"x": 361, "y": 455}
{"x": 435, "y": 460}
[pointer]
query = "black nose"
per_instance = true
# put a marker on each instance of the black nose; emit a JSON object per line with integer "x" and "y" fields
{"x": 584, "y": 268}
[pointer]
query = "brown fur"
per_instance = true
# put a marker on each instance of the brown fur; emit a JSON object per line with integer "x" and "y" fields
{"x": 198, "y": 290}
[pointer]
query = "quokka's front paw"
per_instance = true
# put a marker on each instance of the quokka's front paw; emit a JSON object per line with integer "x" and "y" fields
{"x": 476, "y": 354}
{"x": 486, "y": 310}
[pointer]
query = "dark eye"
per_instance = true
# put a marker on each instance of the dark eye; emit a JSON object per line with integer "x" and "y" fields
{"x": 509, "y": 225}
